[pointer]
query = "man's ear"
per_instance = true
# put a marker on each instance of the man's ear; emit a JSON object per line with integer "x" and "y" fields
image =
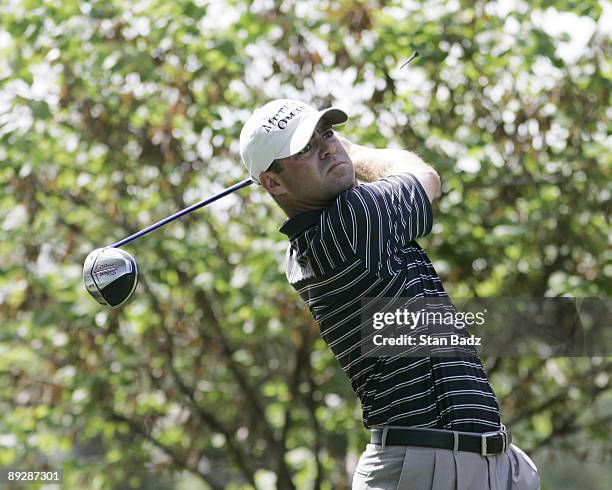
{"x": 271, "y": 182}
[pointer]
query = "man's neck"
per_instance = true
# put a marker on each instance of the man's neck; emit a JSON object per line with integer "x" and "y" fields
{"x": 293, "y": 208}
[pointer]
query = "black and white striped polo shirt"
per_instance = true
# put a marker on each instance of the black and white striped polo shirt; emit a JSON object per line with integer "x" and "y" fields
{"x": 364, "y": 245}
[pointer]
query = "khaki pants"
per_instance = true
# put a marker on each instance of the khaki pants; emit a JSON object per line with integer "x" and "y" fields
{"x": 423, "y": 468}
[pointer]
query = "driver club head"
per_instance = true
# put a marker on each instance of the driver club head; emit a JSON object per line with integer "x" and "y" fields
{"x": 110, "y": 276}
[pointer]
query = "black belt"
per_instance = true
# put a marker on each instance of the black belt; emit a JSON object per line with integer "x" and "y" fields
{"x": 484, "y": 444}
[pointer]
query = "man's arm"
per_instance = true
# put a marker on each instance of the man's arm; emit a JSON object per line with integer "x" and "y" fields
{"x": 372, "y": 164}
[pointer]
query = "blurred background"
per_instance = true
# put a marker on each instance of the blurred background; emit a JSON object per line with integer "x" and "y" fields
{"x": 116, "y": 114}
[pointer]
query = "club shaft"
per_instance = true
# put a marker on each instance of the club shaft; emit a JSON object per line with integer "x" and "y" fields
{"x": 183, "y": 212}
{"x": 414, "y": 55}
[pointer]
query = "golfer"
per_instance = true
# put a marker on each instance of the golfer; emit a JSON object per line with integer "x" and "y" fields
{"x": 354, "y": 215}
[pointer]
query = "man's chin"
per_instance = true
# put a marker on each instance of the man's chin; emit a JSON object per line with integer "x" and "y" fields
{"x": 342, "y": 183}
{"x": 337, "y": 190}
{"x": 345, "y": 187}
{"x": 347, "y": 181}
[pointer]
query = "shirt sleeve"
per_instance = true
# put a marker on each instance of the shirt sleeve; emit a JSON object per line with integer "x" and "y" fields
{"x": 381, "y": 216}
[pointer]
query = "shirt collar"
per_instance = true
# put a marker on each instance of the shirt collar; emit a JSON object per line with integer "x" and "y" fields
{"x": 293, "y": 227}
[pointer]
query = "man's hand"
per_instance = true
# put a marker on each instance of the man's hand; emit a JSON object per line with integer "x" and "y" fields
{"x": 372, "y": 164}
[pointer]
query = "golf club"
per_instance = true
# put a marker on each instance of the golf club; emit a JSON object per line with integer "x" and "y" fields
{"x": 111, "y": 275}
{"x": 405, "y": 63}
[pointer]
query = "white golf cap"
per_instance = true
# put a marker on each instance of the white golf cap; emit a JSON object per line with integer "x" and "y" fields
{"x": 279, "y": 129}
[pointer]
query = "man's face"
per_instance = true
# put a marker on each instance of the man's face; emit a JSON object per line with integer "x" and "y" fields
{"x": 313, "y": 178}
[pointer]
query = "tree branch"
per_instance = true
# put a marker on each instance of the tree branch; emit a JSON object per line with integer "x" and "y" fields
{"x": 176, "y": 458}
{"x": 208, "y": 418}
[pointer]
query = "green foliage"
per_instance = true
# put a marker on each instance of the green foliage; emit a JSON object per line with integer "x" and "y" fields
{"x": 115, "y": 114}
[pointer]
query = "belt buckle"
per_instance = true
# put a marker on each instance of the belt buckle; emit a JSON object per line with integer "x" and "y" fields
{"x": 483, "y": 441}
